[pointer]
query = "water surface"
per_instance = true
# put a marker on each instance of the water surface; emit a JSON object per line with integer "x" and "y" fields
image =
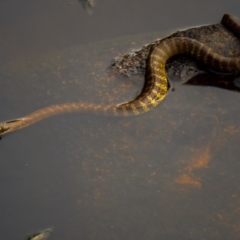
{"x": 169, "y": 174}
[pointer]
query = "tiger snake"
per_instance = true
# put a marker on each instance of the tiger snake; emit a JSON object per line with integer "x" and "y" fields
{"x": 156, "y": 83}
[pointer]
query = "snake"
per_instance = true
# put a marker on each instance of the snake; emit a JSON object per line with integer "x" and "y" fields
{"x": 156, "y": 84}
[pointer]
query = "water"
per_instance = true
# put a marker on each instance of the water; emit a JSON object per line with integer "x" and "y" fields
{"x": 169, "y": 174}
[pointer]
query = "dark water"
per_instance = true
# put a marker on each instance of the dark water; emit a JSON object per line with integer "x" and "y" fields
{"x": 172, "y": 173}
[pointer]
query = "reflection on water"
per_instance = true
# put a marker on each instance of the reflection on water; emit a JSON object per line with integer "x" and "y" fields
{"x": 169, "y": 174}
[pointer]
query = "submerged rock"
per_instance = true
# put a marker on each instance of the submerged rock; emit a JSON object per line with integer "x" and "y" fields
{"x": 216, "y": 36}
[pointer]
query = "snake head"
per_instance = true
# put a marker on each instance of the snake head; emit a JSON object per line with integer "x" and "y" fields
{"x": 4, "y": 128}
{"x": 9, "y": 126}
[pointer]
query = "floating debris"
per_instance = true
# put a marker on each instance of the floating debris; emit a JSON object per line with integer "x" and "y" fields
{"x": 41, "y": 235}
{"x": 88, "y": 5}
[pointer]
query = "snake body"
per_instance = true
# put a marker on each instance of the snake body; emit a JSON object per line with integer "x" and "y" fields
{"x": 156, "y": 83}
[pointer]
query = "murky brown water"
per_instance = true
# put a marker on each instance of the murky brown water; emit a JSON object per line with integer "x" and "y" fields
{"x": 172, "y": 173}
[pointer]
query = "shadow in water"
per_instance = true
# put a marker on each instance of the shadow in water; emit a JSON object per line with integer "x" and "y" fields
{"x": 228, "y": 82}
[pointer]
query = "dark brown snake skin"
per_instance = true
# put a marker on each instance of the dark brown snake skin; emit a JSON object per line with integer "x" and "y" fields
{"x": 156, "y": 83}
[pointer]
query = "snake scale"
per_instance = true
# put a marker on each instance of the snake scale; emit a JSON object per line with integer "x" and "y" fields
{"x": 156, "y": 84}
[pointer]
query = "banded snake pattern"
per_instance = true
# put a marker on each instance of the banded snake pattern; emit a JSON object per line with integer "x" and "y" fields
{"x": 156, "y": 83}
